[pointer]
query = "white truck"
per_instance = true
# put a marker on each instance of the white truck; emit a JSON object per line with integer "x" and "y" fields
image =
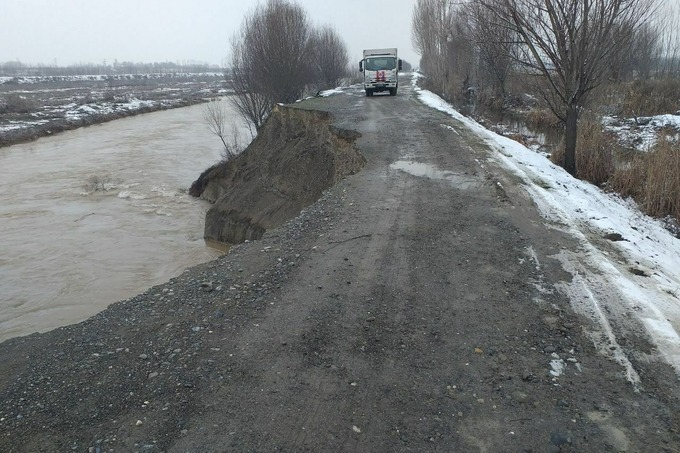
{"x": 381, "y": 71}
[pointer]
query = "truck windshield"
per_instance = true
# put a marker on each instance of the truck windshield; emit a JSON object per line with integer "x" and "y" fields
{"x": 380, "y": 63}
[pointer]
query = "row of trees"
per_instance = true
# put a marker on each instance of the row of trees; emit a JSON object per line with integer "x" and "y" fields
{"x": 563, "y": 49}
{"x": 278, "y": 57}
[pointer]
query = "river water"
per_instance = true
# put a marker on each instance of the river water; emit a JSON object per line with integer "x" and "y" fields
{"x": 99, "y": 214}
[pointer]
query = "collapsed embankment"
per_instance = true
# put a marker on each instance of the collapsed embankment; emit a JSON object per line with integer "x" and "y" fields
{"x": 296, "y": 156}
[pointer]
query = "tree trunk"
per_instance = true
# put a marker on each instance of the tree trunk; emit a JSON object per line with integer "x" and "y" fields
{"x": 570, "y": 140}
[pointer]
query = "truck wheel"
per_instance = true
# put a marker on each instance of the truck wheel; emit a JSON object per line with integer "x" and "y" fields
{"x": 369, "y": 93}
{"x": 393, "y": 91}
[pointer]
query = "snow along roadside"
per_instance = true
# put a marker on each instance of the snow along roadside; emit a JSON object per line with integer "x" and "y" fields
{"x": 603, "y": 288}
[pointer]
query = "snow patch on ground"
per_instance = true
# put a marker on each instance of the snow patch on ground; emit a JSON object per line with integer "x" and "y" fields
{"x": 642, "y": 283}
{"x": 74, "y": 112}
{"x": 327, "y": 93}
{"x": 643, "y": 133}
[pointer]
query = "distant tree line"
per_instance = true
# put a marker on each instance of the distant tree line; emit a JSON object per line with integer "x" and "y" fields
{"x": 19, "y": 69}
{"x": 278, "y": 57}
{"x": 561, "y": 50}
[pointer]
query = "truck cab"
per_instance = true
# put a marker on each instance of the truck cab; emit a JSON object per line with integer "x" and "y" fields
{"x": 381, "y": 70}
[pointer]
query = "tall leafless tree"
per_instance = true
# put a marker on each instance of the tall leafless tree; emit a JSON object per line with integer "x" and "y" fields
{"x": 328, "y": 57}
{"x": 461, "y": 56}
{"x": 644, "y": 52}
{"x": 493, "y": 46}
{"x": 571, "y": 44}
{"x": 669, "y": 45}
{"x": 640, "y": 57}
{"x": 430, "y": 33}
{"x": 269, "y": 63}
{"x": 251, "y": 100}
{"x": 448, "y": 35}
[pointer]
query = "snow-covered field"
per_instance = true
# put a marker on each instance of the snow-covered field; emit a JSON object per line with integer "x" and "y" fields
{"x": 32, "y": 80}
{"x": 640, "y": 281}
{"x": 33, "y": 106}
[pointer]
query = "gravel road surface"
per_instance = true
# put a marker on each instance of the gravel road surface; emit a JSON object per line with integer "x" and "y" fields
{"x": 414, "y": 307}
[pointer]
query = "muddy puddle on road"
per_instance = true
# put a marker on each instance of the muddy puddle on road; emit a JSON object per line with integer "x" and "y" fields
{"x": 99, "y": 214}
{"x": 423, "y": 170}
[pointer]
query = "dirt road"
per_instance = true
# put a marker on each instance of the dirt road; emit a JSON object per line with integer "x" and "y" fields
{"x": 415, "y": 307}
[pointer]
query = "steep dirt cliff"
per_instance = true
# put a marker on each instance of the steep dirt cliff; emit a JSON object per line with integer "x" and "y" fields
{"x": 296, "y": 156}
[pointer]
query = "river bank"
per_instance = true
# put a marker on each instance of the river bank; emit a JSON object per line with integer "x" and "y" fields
{"x": 34, "y": 107}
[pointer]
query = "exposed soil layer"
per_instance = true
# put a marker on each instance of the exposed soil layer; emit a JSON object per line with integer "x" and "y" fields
{"x": 295, "y": 157}
{"x": 416, "y": 306}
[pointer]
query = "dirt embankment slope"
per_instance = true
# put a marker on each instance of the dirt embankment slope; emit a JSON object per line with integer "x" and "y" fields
{"x": 416, "y": 306}
{"x": 295, "y": 157}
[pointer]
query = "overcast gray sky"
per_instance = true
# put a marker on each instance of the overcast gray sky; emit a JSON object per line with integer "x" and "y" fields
{"x": 91, "y": 31}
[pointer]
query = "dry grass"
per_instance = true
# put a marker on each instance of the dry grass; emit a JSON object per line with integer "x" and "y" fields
{"x": 662, "y": 190}
{"x": 557, "y": 154}
{"x": 650, "y": 97}
{"x": 519, "y": 138}
{"x": 653, "y": 180}
{"x": 595, "y": 153}
{"x": 628, "y": 179}
{"x": 542, "y": 117}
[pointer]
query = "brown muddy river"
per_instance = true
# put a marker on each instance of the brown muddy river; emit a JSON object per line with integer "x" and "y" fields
{"x": 99, "y": 214}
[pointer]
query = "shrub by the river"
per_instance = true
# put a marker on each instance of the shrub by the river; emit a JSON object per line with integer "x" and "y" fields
{"x": 100, "y": 183}
{"x": 16, "y": 103}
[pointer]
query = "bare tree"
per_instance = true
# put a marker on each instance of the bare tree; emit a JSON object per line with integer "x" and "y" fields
{"x": 219, "y": 121}
{"x": 442, "y": 33}
{"x": 461, "y": 57}
{"x": 669, "y": 46}
{"x": 430, "y": 33}
{"x": 215, "y": 118}
{"x": 571, "y": 44}
{"x": 329, "y": 58}
{"x": 644, "y": 52}
{"x": 269, "y": 62}
{"x": 493, "y": 45}
{"x": 252, "y": 101}
{"x": 637, "y": 60}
